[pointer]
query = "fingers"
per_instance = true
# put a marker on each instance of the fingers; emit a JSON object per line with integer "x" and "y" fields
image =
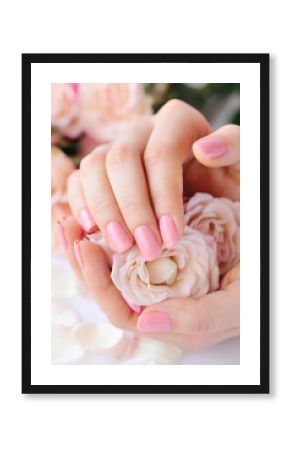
{"x": 59, "y": 211}
{"x": 220, "y": 148}
{"x": 176, "y": 126}
{"x": 124, "y": 164}
{"x": 94, "y": 267}
{"x": 129, "y": 203}
{"x": 128, "y": 181}
{"x": 211, "y": 313}
{"x": 101, "y": 200}
{"x": 68, "y": 230}
{"x": 78, "y": 203}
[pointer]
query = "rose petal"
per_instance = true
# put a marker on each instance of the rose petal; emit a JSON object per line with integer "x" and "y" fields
{"x": 64, "y": 347}
{"x": 63, "y": 280}
{"x": 99, "y": 336}
{"x": 220, "y": 218}
{"x": 196, "y": 274}
{"x": 148, "y": 351}
{"x": 162, "y": 271}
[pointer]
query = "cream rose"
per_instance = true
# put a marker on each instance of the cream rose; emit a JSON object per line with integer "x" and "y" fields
{"x": 220, "y": 218}
{"x": 104, "y": 108}
{"x": 190, "y": 269}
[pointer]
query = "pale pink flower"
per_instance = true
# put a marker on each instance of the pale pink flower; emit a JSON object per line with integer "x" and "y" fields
{"x": 65, "y": 109}
{"x": 190, "y": 269}
{"x": 220, "y": 218}
{"x": 63, "y": 104}
{"x": 105, "y": 108}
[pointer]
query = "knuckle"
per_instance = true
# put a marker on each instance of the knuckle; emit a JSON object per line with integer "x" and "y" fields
{"x": 73, "y": 179}
{"x": 164, "y": 201}
{"x": 94, "y": 158}
{"x": 203, "y": 324}
{"x": 118, "y": 155}
{"x": 160, "y": 198}
{"x": 169, "y": 196}
{"x": 101, "y": 205}
{"x": 130, "y": 207}
{"x": 156, "y": 156}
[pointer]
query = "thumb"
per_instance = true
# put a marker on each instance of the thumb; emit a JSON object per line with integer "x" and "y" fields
{"x": 214, "y": 312}
{"x": 220, "y": 148}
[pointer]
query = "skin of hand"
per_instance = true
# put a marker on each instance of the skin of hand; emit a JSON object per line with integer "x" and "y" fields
{"x": 132, "y": 190}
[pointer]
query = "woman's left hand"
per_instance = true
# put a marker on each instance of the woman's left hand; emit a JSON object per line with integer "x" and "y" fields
{"x": 190, "y": 323}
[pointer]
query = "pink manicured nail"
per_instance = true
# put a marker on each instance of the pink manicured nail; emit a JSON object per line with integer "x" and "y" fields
{"x": 212, "y": 147}
{"x": 147, "y": 242}
{"x": 61, "y": 235}
{"x": 154, "y": 322}
{"x": 118, "y": 237}
{"x": 168, "y": 231}
{"x": 86, "y": 220}
{"x": 78, "y": 255}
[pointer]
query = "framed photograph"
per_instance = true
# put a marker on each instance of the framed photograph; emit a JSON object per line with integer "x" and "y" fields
{"x": 145, "y": 223}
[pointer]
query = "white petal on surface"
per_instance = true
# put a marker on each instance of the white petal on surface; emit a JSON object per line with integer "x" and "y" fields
{"x": 148, "y": 351}
{"x": 63, "y": 279}
{"x": 101, "y": 336}
{"x": 63, "y": 316}
{"x": 64, "y": 347}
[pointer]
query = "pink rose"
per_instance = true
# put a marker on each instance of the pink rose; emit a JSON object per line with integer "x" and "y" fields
{"x": 64, "y": 109}
{"x": 61, "y": 168}
{"x": 104, "y": 108}
{"x": 190, "y": 269}
{"x": 220, "y": 218}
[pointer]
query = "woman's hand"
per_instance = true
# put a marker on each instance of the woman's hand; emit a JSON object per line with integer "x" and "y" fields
{"x": 190, "y": 323}
{"x": 132, "y": 190}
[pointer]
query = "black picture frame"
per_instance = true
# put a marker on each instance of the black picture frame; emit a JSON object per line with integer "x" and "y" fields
{"x": 263, "y": 61}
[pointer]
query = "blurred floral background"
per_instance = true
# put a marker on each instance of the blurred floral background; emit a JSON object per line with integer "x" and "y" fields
{"x": 85, "y": 115}
{"x": 82, "y": 117}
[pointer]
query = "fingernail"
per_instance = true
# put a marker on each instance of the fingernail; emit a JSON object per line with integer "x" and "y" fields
{"x": 118, "y": 237}
{"x": 147, "y": 242}
{"x": 61, "y": 235}
{"x": 212, "y": 147}
{"x": 154, "y": 322}
{"x": 168, "y": 231}
{"x": 78, "y": 255}
{"x": 86, "y": 220}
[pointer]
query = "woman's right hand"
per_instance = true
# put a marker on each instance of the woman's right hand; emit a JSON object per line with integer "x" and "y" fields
{"x": 132, "y": 189}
